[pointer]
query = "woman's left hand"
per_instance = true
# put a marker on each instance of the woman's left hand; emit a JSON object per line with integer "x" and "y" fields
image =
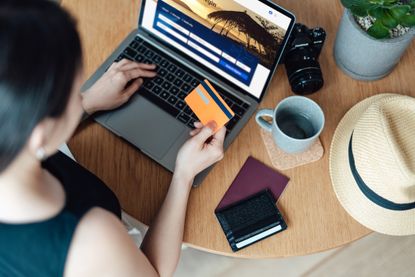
{"x": 113, "y": 88}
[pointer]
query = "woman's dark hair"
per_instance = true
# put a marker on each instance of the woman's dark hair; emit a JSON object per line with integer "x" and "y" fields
{"x": 40, "y": 55}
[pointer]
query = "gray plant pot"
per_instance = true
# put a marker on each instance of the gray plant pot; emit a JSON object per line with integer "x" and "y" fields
{"x": 363, "y": 57}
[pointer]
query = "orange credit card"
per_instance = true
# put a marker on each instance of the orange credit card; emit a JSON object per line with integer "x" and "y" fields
{"x": 208, "y": 106}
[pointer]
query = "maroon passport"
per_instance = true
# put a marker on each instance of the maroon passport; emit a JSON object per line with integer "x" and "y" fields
{"x": 253, "y": 177}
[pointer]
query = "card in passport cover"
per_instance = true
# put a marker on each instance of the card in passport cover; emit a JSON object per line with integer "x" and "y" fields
{"x": 250, "y": 220}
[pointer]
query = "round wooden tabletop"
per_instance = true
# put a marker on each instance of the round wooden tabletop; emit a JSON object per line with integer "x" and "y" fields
{"x": 316, "y": 221}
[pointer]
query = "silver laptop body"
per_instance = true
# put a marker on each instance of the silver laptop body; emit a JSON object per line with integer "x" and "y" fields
{"x": 147, "y": 125}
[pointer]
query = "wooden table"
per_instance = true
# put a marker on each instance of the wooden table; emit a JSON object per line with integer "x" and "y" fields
{"x": 315, "y": 218}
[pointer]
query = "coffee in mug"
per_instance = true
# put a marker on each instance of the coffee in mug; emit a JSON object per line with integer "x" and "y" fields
{"x": 297, "y": 122}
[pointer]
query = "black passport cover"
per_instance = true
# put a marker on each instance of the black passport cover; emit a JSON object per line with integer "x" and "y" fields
{"x": 250, "y": 220}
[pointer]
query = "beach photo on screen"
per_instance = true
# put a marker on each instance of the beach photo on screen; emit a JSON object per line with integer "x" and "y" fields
{"x": 233, "y": 21}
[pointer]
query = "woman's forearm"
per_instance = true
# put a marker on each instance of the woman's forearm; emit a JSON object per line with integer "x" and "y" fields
{"x": 162, "y": 243}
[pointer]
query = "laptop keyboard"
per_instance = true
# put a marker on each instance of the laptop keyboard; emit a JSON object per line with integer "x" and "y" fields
{"x": 173, "y": 83}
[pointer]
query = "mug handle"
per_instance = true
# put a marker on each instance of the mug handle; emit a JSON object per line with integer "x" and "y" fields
{"x": 261, "y": 122}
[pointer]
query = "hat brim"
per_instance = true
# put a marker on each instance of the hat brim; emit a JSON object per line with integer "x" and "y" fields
{"x": 369, "y": 214}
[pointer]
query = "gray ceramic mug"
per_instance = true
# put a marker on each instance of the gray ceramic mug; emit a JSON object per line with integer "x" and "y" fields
{"x": 296, "y": 124}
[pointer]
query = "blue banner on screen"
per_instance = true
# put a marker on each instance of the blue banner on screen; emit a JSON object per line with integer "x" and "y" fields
{"x": 230, "y": 57}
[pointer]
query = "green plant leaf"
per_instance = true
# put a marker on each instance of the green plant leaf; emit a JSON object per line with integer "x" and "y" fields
{"x": 398, "y": 11}
{"x": 408, "y": 20}
{"x": 346, "y": 3}
{"x": 377, "y": 30}
{"x": 349, "y": 3}
{"x": 359, "y": 10}
{"x": 388, "y": 20}
{"x": 388, "y": 2}
{"x": 376, "y": 12}
{"x": 412, "y": 4}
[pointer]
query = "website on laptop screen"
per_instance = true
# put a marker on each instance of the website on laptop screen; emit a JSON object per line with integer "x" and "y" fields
{"x": 238, "y": 39}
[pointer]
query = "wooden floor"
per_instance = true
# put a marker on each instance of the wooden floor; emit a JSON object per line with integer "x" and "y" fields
{"x": 375, "y": 255}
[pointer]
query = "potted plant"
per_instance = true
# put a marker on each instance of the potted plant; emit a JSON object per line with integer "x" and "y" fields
{"x": 373, "y": 35}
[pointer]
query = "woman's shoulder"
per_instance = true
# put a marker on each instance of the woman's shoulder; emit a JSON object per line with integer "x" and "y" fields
{"x": 102, "y": 244}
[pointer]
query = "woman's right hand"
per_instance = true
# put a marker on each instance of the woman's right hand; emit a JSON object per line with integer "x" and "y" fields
{"x": 202, "y": 150}
{"x": 117, "y": 85}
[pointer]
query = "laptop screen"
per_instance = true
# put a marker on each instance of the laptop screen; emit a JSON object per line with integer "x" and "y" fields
{"x": 240, "y": 40}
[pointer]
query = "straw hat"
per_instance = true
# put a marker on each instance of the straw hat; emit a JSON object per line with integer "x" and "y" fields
{"x": 372, "y": 163}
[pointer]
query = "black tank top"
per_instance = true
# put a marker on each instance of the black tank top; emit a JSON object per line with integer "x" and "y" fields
{"x": 41, "y": 248}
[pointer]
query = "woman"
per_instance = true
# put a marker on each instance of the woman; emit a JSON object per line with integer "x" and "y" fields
{"x": 56, "y": 218}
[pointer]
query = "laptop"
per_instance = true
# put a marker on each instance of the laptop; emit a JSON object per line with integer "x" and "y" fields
{"x": 235, "y": 44}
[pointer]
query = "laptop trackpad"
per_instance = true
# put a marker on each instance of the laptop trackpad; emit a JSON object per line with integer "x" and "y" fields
{"x": 146, "y": 126}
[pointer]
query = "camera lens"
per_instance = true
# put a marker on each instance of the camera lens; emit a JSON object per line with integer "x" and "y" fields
{"x": 301, "y": 59}
{"x": 305, "y": 76}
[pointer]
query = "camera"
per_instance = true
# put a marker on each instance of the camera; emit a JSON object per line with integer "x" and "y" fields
{"x": 301, "y": 59}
